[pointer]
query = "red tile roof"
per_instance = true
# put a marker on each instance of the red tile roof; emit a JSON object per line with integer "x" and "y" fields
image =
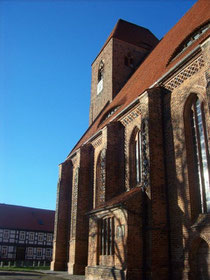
{"x": 26, "y": 218}
{"x": 133, "y": 34}
{"x": 156, "y": 64}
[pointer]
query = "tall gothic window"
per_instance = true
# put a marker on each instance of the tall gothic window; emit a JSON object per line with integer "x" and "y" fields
{"x": 138, "y": 157}
{"x": 199, "y": 151}
{"x": 135, "y": 158}
{"x": 100, "y": 77}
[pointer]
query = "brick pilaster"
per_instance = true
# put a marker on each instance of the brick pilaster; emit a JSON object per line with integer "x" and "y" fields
{"x": 81, "y": 204}
{"x": 157, "y": 228}
{"x": 115, "y": 160}
{"x": 62, "y": 216}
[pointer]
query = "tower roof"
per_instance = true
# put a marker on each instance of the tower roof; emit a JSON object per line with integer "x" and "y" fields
{"x": 132, "y": 34}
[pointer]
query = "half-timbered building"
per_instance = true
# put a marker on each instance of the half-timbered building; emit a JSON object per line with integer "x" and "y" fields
{"x": 26, "y": 234}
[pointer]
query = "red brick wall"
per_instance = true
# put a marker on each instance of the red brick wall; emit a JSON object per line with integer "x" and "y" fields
{"x": 62, "y": 218}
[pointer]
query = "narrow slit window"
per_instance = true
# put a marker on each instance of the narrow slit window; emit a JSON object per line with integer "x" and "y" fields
{"x": 138, "y": 158}
{"x": 100, "y": 77}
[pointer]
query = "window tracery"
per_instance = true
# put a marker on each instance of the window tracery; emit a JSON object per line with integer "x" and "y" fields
{"x": 136, "y": 158}
{"x": 201, "y": 154}
{"x": 198, "y": 152}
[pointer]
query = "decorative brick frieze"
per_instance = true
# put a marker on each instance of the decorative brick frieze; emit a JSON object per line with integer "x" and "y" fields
{"x": 75, "y": 159}
{"x": 128, "y": 118}
{"x": 185, "y": 73}
{"x": 97, "y": 142}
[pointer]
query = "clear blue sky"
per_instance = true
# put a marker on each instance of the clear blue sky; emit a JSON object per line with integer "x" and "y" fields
{"x": 46, "y": 51}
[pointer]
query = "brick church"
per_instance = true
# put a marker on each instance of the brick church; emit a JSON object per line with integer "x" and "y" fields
{"x": 133, "y": 198}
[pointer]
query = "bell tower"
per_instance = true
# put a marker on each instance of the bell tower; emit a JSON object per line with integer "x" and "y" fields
{"x": 123, "y": 52}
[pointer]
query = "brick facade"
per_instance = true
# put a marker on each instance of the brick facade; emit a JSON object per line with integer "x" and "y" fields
{"x": 139, "y": 193}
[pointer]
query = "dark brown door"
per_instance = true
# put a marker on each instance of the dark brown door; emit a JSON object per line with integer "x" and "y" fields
{"x": 20, "y": 253}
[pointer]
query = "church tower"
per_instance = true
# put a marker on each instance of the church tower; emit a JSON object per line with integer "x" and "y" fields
{"x": 125, "y": 49}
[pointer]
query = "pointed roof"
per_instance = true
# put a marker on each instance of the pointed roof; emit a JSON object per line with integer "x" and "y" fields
{"x": 132, "y": 34}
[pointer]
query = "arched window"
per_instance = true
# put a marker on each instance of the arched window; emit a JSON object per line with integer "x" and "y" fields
{"x": 197, "y": 150}
{"x": 100, "y": 77}
{"x": 135, "y": 158}
{"x": 100, "y": 178}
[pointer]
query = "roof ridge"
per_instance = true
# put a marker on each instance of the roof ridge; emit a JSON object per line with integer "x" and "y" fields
{"x": 29, "y": 207}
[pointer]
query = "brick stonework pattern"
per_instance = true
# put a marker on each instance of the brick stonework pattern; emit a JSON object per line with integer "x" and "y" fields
{"x": 185, "y": 73}
{"x": 110, "y": 225}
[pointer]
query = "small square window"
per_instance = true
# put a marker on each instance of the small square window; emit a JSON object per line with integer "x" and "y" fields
{"x": 6, "y": 234}
{"x": 48, "y": 252}
{"x": 30, "y": 252}
{"x": 39, "y": 252}
{"x": 49, "y": 237}
{"x": 40, "y": 237}
{"x": 22, "y": 235}
{"x": 31, "y": 236}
